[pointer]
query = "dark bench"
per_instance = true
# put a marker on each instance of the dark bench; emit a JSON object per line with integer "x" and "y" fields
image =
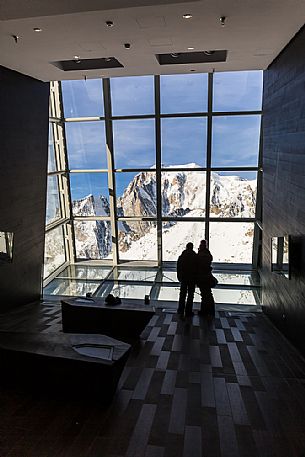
{"x": 67, "y": 363}
{"x": 92, "y": 315}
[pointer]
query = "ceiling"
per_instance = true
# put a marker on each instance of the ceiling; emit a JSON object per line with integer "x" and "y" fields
{"x": 255, "y": 32}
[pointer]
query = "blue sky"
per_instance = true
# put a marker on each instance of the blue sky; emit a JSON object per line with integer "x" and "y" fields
{"x": 234, "y": 138}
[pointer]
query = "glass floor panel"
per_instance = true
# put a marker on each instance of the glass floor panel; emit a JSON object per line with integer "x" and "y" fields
{"x": 85, "y": 272}
{"x": 133, "y": 275}
{"x": 70, "y": 287}
{"x": 235, "y": 287}
{"x": 229, "y": 296}
{"x": 245, "y": 279}
{"x": 123, "y": 290}
{"x": 168, "y": 276}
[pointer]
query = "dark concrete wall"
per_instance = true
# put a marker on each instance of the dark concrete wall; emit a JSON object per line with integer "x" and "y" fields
{"x": 23, "y": 168}
{"x": 284, "y": 186}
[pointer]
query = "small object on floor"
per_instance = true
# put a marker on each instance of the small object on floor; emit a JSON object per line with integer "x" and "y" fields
{"x": 110, "y": 300}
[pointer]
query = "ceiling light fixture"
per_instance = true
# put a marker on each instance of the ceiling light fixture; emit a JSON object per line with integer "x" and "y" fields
{"x": 190, "y": 49}
{"x": 37, "y": 29}
{"x": 109, "y": 23}
{"x": 77, "y": 59}
{"x": 222, "y": 20}
{"x": 187, "y": 16}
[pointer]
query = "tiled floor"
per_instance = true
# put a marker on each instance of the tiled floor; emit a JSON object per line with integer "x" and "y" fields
{"x": 229, "y": 387}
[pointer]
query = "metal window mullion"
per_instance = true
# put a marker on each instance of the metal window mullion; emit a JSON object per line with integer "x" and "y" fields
{"x": 111, "y": 173}
{"x": 158, "y": 169}
{"x": 209, "y": 156}
{"x": 55, "y": 224}
{"x": 259, "y": 203}
{"x": 65, "y": 180}
{"x": 60, "y": 176}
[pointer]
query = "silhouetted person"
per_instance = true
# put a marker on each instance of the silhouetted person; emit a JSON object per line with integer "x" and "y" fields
{"x": 186, "y": 273}
{"x": 203, "y": 279}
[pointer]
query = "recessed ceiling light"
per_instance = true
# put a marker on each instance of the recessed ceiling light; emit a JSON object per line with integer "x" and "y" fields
{"x": 190, "y": 48}
{"x": 109, "y": 23}
{"x": 187, "y": 16}
{"x": 77, "y": 59}
{"x": 37, "y": 29}
{"x": 222, "y": 20}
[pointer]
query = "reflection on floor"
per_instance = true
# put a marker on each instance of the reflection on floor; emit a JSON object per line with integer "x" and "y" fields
{"x": 231, "y": 387}
{"x": 160, "y": 284}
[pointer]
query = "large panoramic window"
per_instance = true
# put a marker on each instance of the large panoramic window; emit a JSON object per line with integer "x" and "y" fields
{"x": 154, "y": 162}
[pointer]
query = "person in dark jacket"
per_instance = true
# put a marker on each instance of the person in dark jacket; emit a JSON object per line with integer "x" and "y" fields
{"x": 186, "y": 273}
{"x": 203, "y": 279}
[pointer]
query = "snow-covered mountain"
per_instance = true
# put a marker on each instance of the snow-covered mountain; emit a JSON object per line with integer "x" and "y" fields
{"x": 183, "y": 194}
{"x": 92, "y": 238}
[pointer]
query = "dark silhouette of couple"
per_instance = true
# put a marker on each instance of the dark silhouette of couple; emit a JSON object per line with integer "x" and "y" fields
{"x": 195, "y": 270}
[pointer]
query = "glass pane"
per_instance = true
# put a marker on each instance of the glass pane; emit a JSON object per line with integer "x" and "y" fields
{"x": 172, "y": 294}
{"x": 124, "y": 290}
{"x": 132, "y": 95}
{"x": 233, "y": 194}
{"x": 51, "y": 156}
{"x": 86, "y": 145}
{"x": 70, "y": 287}
{"x": 83, "y": 98}
{"x": 184, "y": 141}
{"x": 176, "y": 235}
{"x": 134, "y": 143}
{"x": 137, "y": 240}
{"x": 183, "y": 193}
{"x": 93, "y": 239}
{"x": 231, "y": 242}
{"x": 238, "y": 91}
{"x": 133, "y": 275}
{"x": 139, "y": 195}
{"x": 220, "y": 295}
{"x": 184, "y": 93}
{"x": 168, "y": 276}
{"x": 90, "y": 194}
{"x": 53, "y": 201}
{"x": 84, "y": 272}
{"x": 54, "y": 253}
{"x": 235, "y": 141}
{"x": 6, "y": 246}
{"x": 231, "y": 296}
{"x": 245, "y": 279}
